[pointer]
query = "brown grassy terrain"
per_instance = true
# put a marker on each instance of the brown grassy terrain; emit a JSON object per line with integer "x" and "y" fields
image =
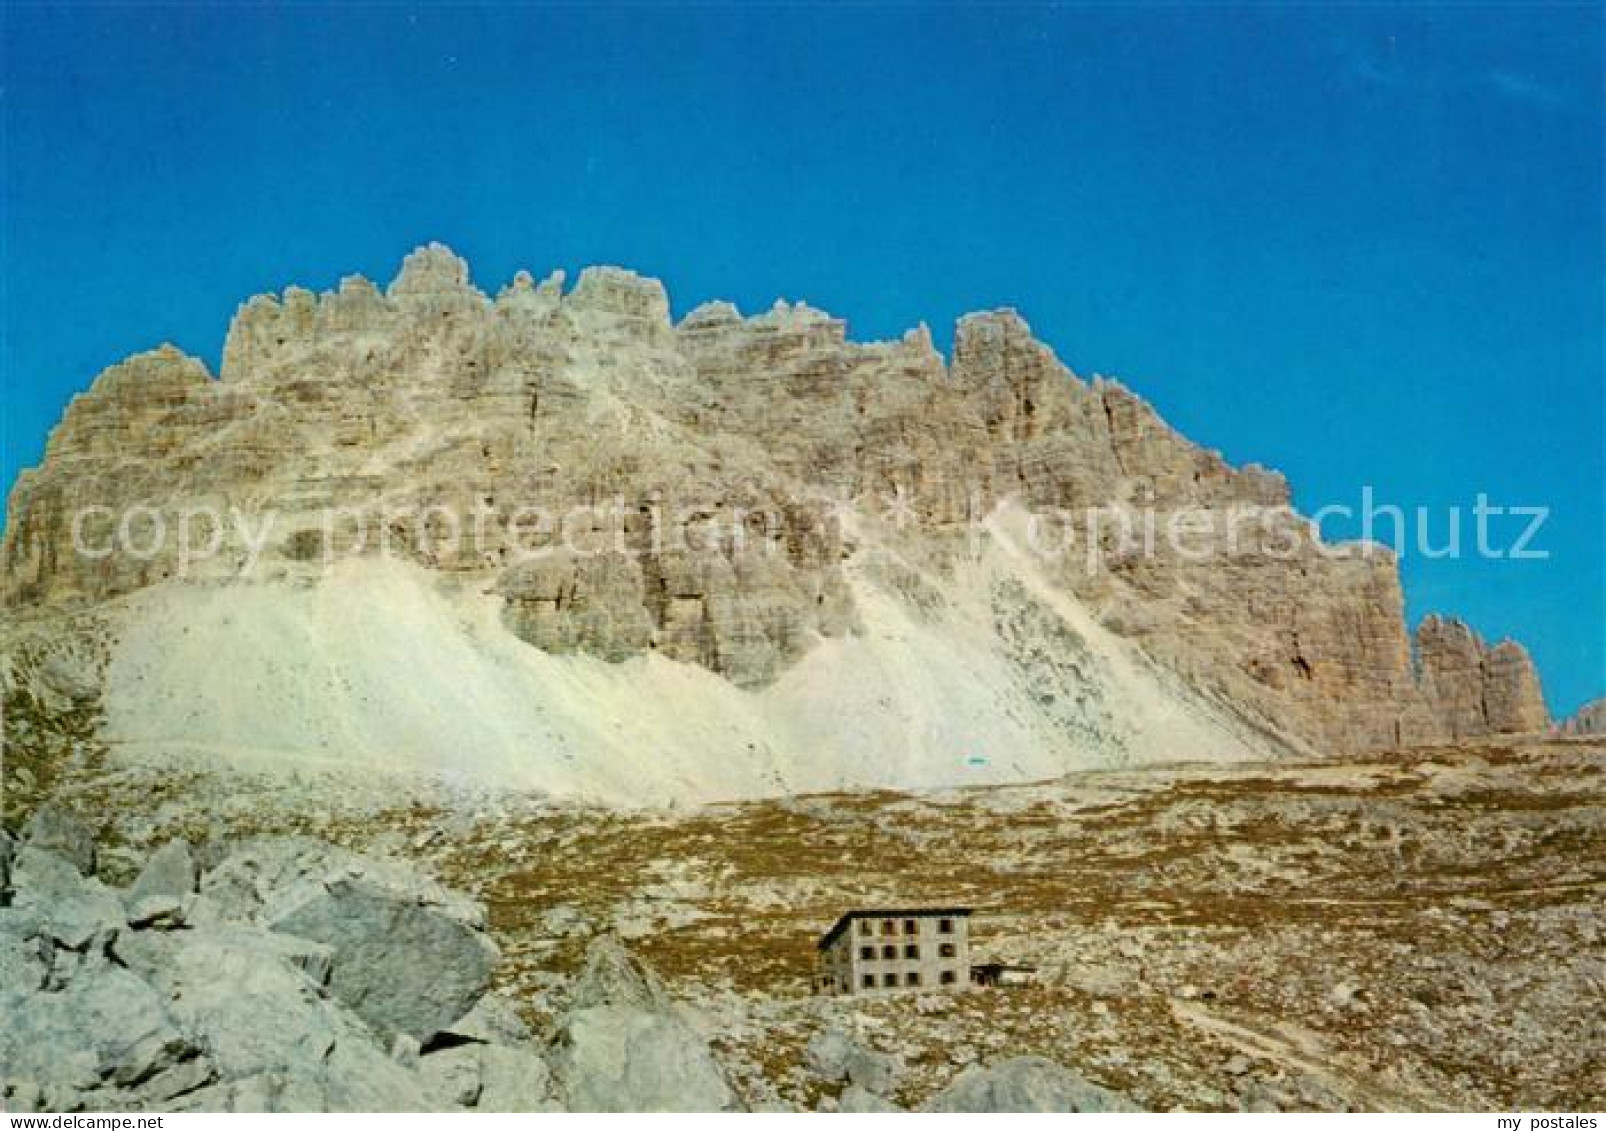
{"x": 1416, "y": 930}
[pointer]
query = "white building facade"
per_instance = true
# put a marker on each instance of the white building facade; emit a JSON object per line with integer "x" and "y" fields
{"x": 877, "y": 950}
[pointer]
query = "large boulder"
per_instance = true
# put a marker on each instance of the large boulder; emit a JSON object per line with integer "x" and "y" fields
{"x": 485, "y": 1077}
{"x": 75, "y": 910}
{"x": 407, "y": 954}
{"x": 492, "y": 1021}
{"x": 513, "y": 1080}
{"x": 484, "y": 1061}
{"x": 832, "y": 1055}
{"x": 62, "y": 832}
{"x": 287, "y": 1092}
{"x": 263, "y": 1019}
{"x": 615, "y": 1058}
{"x": 624, "y": 1046}
{"x": 26, "y": 950}
{"x": 164, "y": 886}
{"x": 104, "y": 1031}
{"x": 262, "y": 878}
{"x": 148, "y": 952}
{"x": 104, "y": 1006}
{"x": 402, "y": 966}
{"x": 1025, "y": 1084}
{"x": 611, "y": 975}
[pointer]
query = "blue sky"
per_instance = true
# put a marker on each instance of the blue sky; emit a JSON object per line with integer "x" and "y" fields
{"x": 1361, "y": 245}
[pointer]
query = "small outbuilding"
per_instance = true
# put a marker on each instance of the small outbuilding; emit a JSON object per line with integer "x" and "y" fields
{"x": 1002, "y": 974}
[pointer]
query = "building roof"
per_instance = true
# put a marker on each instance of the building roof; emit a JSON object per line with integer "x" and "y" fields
{"x": 885, "y": 913}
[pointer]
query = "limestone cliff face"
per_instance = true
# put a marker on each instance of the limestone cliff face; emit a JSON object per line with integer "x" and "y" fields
{"x": 1475, "y": 689}
{"x": 1588, "y": 720}
{"x": 704, "y": 469}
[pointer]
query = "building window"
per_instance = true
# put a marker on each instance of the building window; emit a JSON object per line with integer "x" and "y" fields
{"x": 868, "y": 981}
{"x": 948, "y": 977}
{"x": 864, "y": 926}
{"x": 867, "y": 952}
{"x": 889, "y": 980}
{"x": 889, "y": 951}
{"x": 909, "y": 927}
{"x": 912, "y": 978}
{"x": 889, "y": 927}
{"x": 947, "y": 950}
{"x": 945, "y": 926}
{"x": 911, "y": 951}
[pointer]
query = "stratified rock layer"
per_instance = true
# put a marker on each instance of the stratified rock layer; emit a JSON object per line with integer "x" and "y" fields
{"x": 683, "y": 489}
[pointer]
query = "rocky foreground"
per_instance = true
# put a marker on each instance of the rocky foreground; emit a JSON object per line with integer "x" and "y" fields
{"x": 1417, "y": 930}
{"x": 295, "y": 976}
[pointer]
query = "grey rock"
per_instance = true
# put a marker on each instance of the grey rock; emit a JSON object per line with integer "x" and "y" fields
{"x": 562, "y": 921}
{"x": 8, "y": 849}
{"x": 485, "y": 1062}
{"x": 492, "y": 1021}
{"x": 513, "y": 1080}
{"x": 278, "y": 1043}
{"x": 855, "y": 1099}
{"x": 613, "y": 976}
{"x": 487, "y": 1078}
{"x": 68, "y": 678}
{"x": 401, "y": 966}
{"x": 141, "y": 952}
{"x": 22, "y": 1095}
{"x": 59, "y": 831}
{"x": 104, "y": 1029}
{"x": 833, "y": 1055}
{"x": 26, "y": 950}
{"x": 228, "y": 1015}
{"x": 405, "y": 1049}
{"x": 76, "y": 910}
{"x": 315, "y": 960}
{"x": 625, "y": 1047}
{"x": 872, "y": 1070}
{"x": 621, "y": 1058}
{"x": 1256, "y": 1097}
{"x": 826, "y": 1054}
{"x": 1025, "y": 1084}
{"x": 263, "y": 878}
{"x": 287, "y": 1092}
{"x": 155, "y": 911}
{"x": 164, "y": 886}
{"x": 252, "y": 1094}
{"x": 452, "y": 1076}
{"x": 181, "y": 1079}
{"x": 238, "y": 887}
{"x": 152, "y": 955}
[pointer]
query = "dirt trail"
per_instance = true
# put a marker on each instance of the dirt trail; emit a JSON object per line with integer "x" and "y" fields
{"x": 1300, "y": 1049}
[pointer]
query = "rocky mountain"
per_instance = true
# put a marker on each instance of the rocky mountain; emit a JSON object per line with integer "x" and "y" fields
{"x": 729, "y": 555}
{"x": 1590, "y": 719}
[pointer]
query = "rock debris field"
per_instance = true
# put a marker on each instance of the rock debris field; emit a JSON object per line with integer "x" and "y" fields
{"x": 1417, "y": 931}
